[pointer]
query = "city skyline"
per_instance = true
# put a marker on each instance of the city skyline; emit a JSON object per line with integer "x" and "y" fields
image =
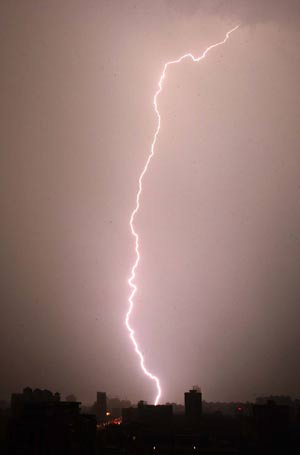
{"x": 219, "y": 288}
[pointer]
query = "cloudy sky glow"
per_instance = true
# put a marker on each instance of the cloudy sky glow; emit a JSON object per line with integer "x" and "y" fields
{"x": 219, "y": 288}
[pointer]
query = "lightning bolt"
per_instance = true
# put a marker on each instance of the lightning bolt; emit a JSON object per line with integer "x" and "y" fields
{"x": 131, "y": 279}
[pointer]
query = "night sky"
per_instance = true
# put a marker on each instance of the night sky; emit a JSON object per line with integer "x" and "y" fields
{"x": 219, "y": 225}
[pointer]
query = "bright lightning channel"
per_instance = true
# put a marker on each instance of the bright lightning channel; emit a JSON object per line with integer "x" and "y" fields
{"x": 131, "y": 281}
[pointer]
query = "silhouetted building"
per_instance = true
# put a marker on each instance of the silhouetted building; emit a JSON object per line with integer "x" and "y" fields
{"x": 42, "y": 424}
{"x": 115, "y": 406}
{"x": 148, "y": 413}
{"x": 130, "y": 415}
{"x": 271, "y": 424}
{"x": 18, "y": 400}
{"x": 193, "y": 403}
{"x": 101, "y": 407}
{"x": 160, "y": 414}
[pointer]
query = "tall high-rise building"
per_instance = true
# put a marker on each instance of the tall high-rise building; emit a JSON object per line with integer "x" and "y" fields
{"x": 101, "y": 407}
{"x": 193, "y": 403}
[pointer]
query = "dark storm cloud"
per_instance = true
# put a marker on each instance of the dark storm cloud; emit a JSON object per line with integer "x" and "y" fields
{"x": 248, "y": 12}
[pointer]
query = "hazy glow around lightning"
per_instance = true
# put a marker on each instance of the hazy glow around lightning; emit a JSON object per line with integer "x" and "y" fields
{"x": 131, "y": 282}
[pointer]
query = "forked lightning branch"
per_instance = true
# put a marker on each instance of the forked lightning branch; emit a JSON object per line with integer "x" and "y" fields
{"x": 131, "y": 280}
